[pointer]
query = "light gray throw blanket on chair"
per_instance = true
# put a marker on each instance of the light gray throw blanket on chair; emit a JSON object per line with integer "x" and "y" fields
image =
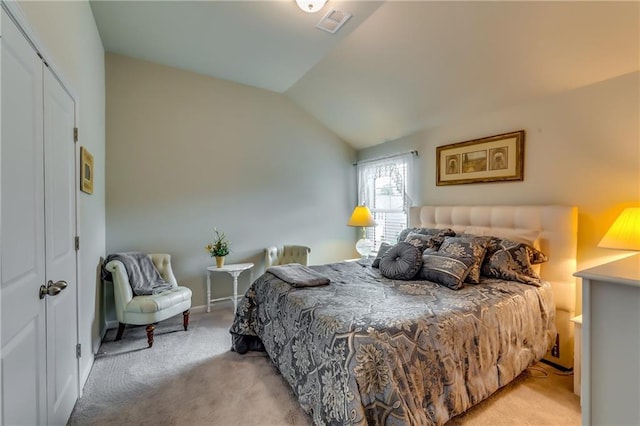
{"x": 144, "y": 277}
{"x": 298, "y": 275}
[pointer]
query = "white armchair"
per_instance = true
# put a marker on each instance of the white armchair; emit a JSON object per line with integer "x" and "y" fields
{"x": 149, "y": 309}
{"x": 287, "y": 254}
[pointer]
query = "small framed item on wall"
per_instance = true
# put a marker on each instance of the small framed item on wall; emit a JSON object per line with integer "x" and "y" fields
{"x": 491, "y": 159}
{"x": 86, "y": 171}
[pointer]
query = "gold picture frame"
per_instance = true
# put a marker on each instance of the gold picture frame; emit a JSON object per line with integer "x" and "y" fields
{"x": 491, "y": 159}
{"x": 86, "y": 171}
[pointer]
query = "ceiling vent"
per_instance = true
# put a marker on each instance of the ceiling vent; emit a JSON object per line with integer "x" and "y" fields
{"x": 333, "y": 21}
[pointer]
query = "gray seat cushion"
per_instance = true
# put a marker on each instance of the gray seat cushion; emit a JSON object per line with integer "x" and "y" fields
{"x": 401, "y": 262}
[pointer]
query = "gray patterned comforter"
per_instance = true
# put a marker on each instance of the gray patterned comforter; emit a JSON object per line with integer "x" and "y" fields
{"x": 369, "y": 350}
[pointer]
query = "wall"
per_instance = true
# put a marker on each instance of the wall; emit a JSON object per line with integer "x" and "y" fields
{"x": 68, "y": 33}
{"x": 187, "y": 153}
{"x": 582, "y": 148}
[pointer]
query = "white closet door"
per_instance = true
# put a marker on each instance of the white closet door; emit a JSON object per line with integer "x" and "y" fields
{"x": 60, "y": 208}
{"x": 38, "y": 332}
{"x": 23, "y": 251}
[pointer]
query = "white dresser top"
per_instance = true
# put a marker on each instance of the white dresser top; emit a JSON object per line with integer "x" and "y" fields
{"x": 624, "y": 271}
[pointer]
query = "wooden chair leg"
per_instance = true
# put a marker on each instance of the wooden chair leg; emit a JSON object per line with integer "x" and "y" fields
{"x": 150, "y": 329}
{"x": 120, "y": 331}
{"x": 185, "y": 319}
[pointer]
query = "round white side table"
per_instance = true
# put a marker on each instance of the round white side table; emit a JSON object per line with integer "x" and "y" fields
{"x": 234, "y": 269}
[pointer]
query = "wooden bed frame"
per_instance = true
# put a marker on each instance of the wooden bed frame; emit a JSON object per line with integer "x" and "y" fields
{"x": 558, "y": 226}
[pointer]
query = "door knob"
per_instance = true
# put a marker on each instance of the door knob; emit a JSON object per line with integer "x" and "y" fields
{"x": 60, "y": 284}
{"x": 52, "y": 289}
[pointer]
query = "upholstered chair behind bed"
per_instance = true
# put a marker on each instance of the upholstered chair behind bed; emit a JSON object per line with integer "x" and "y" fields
{"x": 287, "y": 254}
{"x": 149, "y": 309}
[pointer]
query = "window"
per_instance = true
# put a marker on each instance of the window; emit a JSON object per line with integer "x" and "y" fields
{"x": 383, "y": 187}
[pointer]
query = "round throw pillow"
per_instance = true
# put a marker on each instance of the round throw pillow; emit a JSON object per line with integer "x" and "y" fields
{"x": 401, "y": 262}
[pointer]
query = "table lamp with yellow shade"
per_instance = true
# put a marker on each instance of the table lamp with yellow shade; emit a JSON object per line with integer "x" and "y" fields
{"x": 624, "y": 234}
{"x": 362, "y": 217}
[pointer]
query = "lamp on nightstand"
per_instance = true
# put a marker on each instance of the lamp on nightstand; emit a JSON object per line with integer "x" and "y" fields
{"x": 624, "y": 234}
{"x": 362, "y": 217}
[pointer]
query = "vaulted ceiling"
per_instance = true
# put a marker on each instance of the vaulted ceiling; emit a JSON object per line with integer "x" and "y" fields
{"x": 395, "y": 67}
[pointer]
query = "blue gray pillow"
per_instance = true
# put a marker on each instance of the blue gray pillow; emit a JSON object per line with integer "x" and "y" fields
{"x": 445, "y": 232}
{"x": 401, "y": 262}
{"x": 445, "y": 269}
{"x": 470, "y": 247}
{"x": 384, "y": 247}
{"x": 511, "y": 260}
{"x": 424, "y": 242}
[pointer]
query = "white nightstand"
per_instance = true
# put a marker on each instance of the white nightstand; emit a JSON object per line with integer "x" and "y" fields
{"x": 234, "y": 270}
{"x": 577, "y": 353}
{"x": 610, "y": 381}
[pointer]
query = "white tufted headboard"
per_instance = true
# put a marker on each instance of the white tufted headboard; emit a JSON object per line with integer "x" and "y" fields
{"x": 558, "y": 227}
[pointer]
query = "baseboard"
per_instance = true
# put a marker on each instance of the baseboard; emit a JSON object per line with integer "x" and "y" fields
{"x": 84, "y": 374}
{"x": 194, "y": 310}
{"x": 219, "y": 304}
{"x": 198, "y": 309}
{"x": 108, "y": 326}
{"x": 556, "y": 366}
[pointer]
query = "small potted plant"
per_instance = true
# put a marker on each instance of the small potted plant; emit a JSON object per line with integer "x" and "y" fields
{"x": 219, "y": 248}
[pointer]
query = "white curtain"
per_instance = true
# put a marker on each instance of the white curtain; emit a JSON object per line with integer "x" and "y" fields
{"x": 397, "y": 170}
{"x": 384, "y": 187}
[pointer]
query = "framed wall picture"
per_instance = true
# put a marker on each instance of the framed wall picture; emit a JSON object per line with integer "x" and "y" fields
{"x": 86, "y": 171}
{"x": 491, "y": 159}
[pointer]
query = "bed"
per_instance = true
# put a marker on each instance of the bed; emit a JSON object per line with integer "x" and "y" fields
{"x": 367, "y": 349}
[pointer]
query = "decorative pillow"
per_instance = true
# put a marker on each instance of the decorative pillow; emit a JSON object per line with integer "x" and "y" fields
{"x": 384, "y": 247}
{"x": 445, "y": 269}
{"x": 498, "y": 243}
{"x": 401, "y": 262}
{"x": 511, "y": 260}
{"x": 527, "y": 236}
{"x": 444, "y": 232}
{"x": 471, "y": 247}
{"x": 536, "y": 257}
{"x": 424, "y": 241}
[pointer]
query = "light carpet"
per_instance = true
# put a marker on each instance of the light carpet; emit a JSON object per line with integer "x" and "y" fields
{"x": 191, "y": 378}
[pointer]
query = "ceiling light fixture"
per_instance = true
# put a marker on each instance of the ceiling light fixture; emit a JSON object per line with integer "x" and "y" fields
{"x": 311, "y": 6}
